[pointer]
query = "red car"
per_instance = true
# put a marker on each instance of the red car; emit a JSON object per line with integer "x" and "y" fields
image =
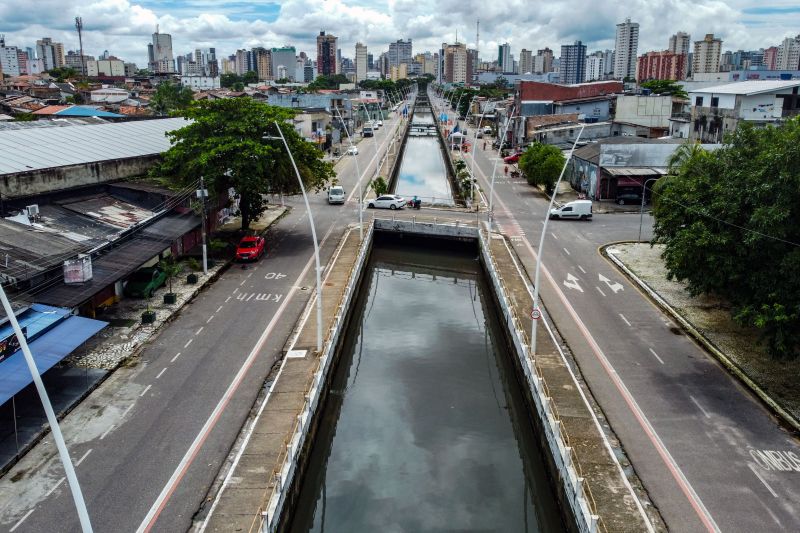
{"x": 250, "y": 249}
{"x": 512, "y": 158}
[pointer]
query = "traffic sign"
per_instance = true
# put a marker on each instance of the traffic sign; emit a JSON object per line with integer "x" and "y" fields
{"x": 536, "y": 314}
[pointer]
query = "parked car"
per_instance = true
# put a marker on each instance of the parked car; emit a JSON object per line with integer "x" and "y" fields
{"x": 479, "y": 134}
{"x": 144, "y": 282}
{"x": 514, "y": 158}
{"x": 336, "y": 195}
{"x": 628, "y": 197}
{"x": 496, "y": 144}
{"x": 387, "y": 201}
{"x": 487, "y": 130}
{"x": 352, "y": 151}
{"x": 578, "y": 209}
{"x": 250, "y": 248}
{"x": 379, "y": 123}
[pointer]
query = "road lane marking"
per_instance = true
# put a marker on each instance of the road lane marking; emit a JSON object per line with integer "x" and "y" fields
{"x": 84, "y": 456}
{"x": 187, "y": 343}
{"x": 567, "y": 251}
{"x": 51, "y": 491}
{"x": 243, "y": 282}
{"x": 554, "y": 235}
{"x": 694, "y": 401}
{"x": 599, "y": 290}
{"x": 188, "y": 458}
{"x": 21, "y": 520}
{"x": 656, "y": 356}
{"x": 250, "y": 274}
{"x": 581, "y": 269}
{"x": 127, "y": 410}
{"x": 174, "y": 358}
{"x": 219, "y": 308}
{"x": 250, "y": 297}
{"x": 210, "y": 319}
{"x": 234, "y": 290}
{"x": 199, "y": 330}
{"x": 625, "y": 319}
{"x": 106, "y": 432}
{"x": 761, "y": 479}
{"x": 227, "y": 299}
{"x": 145, "y": 390}
{"x": 161, "y": 373}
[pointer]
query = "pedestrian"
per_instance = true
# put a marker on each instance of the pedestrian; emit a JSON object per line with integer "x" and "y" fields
{"x": 506, "y": 170}
{"x": 484, "y": 145}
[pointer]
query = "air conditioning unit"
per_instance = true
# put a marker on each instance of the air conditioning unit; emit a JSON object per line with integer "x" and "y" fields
{"x": 33, "y": 210}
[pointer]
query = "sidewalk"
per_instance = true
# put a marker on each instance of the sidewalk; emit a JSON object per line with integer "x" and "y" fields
{"x": 77, "y": 375}
{"x": 709, "y": 321}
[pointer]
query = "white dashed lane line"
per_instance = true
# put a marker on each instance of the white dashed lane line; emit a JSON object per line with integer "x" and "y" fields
{"x": 219, "y": 309}
{"x": 21, "y": 520}
{"x": 84, "y": 456}
{"x": 567, "y": 251}
{"x": 55, "y": 487}
{"x": 145, "y": 390}
{"x": 581, "y": 269}
{"x": 227, "y": 299}
{"x": 694, "y": 401}
{"x": 106, "y": 432}
{"x": 656, "y": 356}
{"x": 753, "y": 468}
{"x": 624, "y": 319}
{"x": 199, "y": 330}
{"x": 209, "y": 319}
{"x": 174, "y": 358}
{"x": 188, "y": 343}
{"x": 161, "y": 373}
{"x": 127, "y": 410}
{"x": 599, "y": 290}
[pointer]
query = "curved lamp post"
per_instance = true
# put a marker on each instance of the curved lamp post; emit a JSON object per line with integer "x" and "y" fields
{"x": 475, "y": 147}
{"x": 318, "y": 268}
{"x": 541, "y": 245}
{"x": 500, "y": 142}
{"x": 641, "y": 209}
{"x": 358, "y": 178}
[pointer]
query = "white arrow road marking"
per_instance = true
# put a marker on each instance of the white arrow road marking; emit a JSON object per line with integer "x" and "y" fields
{"x": 616, "y": 287}
{"x": 572, "y": 283}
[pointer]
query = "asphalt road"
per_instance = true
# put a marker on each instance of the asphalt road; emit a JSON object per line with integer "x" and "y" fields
{"x": 696, "y": 438}
{"x": 149, "y": 442}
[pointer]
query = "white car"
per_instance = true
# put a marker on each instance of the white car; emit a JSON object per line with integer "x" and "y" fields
{"x": 379, "y": 123}
{"x": 336, "y": 195}
{"x": 352, "y": 151}
{"x": 387, "y": 201}
{"x": 577, "y": 209}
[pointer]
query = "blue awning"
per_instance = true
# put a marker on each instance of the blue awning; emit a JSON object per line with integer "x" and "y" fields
{"x": 47, "y": 350}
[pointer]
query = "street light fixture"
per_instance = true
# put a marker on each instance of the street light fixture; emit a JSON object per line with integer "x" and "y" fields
{"x": 474, "y": 148}
{"x": 318, "y": 268}
{"x": 358, "y": 178}
{"x": 641, "y": 209}
{"x": 534, "y": 318}
{"x": 500, "y": 142}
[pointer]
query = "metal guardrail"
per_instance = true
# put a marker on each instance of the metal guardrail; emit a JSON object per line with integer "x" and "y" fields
{"x": 281, "y": 476}
{"x": 579, "y": 496}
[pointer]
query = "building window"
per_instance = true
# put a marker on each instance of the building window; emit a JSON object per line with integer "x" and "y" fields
{"x": 698, "y": 101}
{"x": 715, "y": 101}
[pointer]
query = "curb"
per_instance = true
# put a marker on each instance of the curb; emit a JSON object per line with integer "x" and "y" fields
{"x": 728, "y": 363}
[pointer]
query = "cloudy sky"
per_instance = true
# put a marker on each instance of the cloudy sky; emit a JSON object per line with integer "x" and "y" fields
{"x": 123, "y": 27}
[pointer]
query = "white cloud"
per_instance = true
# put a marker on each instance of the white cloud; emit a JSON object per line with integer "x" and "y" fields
{"x": 124, "y": 27}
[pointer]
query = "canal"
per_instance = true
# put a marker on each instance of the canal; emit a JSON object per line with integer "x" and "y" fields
{"x": 422, "y": 171}
{"x": 425, "y": 427}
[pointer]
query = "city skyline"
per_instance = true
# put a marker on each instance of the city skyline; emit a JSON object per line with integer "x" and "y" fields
{"x": 124, "y": 28}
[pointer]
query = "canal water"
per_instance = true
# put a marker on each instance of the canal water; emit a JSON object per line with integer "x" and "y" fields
{"x": 425, "y": 427}
{"x": 422, "y": 171}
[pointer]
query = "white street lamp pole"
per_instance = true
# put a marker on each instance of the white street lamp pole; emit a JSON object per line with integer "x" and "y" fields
{"x": 313, "y": 236}
{"x": 474, "y": 148}
{"x": 641, "y": 209}
{"x": 63, "y": 453}
{"x": 358, "y": 178}
{"x": 500, "y": 142}
{"x": 375, "y": 142}
{"x": 541, "y": 246}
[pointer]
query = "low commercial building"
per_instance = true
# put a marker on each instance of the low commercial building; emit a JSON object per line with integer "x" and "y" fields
{"x": 201, "y": 83}
{"x": 718, "y": 110}
{"x": 648, "y": 116}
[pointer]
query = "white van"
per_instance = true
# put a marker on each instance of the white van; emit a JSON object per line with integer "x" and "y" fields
{"x": 336, "y": 195}
{"x": 578, "y": 209}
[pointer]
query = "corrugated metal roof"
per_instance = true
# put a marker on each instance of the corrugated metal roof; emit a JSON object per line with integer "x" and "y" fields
{"x": 749, "y": 87}
{"x": 40, "y": 148}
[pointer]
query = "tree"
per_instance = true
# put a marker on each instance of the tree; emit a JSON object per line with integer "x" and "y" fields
{"x": 542, "y": 164}
{"x": 328, "y": 82}
{"x": 728, "y": 222}
{"x": 665, "y": 87}
{"x": 379, "y": 186}
{"x": 225, "y": 145}
{"x": 170, "y": 97}
{"x": 62, "y": 74}
{"x": 250, "y": 77}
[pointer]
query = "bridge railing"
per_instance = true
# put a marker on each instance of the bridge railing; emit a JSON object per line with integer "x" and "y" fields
{"x": 579, "y": 496}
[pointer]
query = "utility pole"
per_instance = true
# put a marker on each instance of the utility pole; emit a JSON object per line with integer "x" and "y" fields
{"x": 202, "y": 192}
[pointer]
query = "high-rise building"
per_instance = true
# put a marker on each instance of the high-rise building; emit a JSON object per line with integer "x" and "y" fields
{"x": 472, "y": 65}
{"x": 504, "y": 62}
{"x": 400, "y": 52}
{"x": 326, "y": 54}
{"x": 362, "y": 64}
{"x": 50, "y": 52}
{"x": 9, "y": 58}
{"x": 525, "y": 61}
{"x": 680, "y": 43}
{"x": 74, "y": 60}
{"x": 370, "y": 61}
{"x": 788, "y": 55}
{"x": 285, "y": 57}
{"x": 706, "y": 55}
{"x": 265, "y": 64}
{"x": 241, "y": 61}
{"x": 771, "y": 58}
{"x": 455, "y": 63}
{"x": 596, "y": 66}
{"x": 228, "y": 65}
{"x": 159, "y": 53}
{"x": 664, "y": 65}
{"x": 543, "y": 61}
{"x": 573, "y": 63}
{"x": 626, "y": 47}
